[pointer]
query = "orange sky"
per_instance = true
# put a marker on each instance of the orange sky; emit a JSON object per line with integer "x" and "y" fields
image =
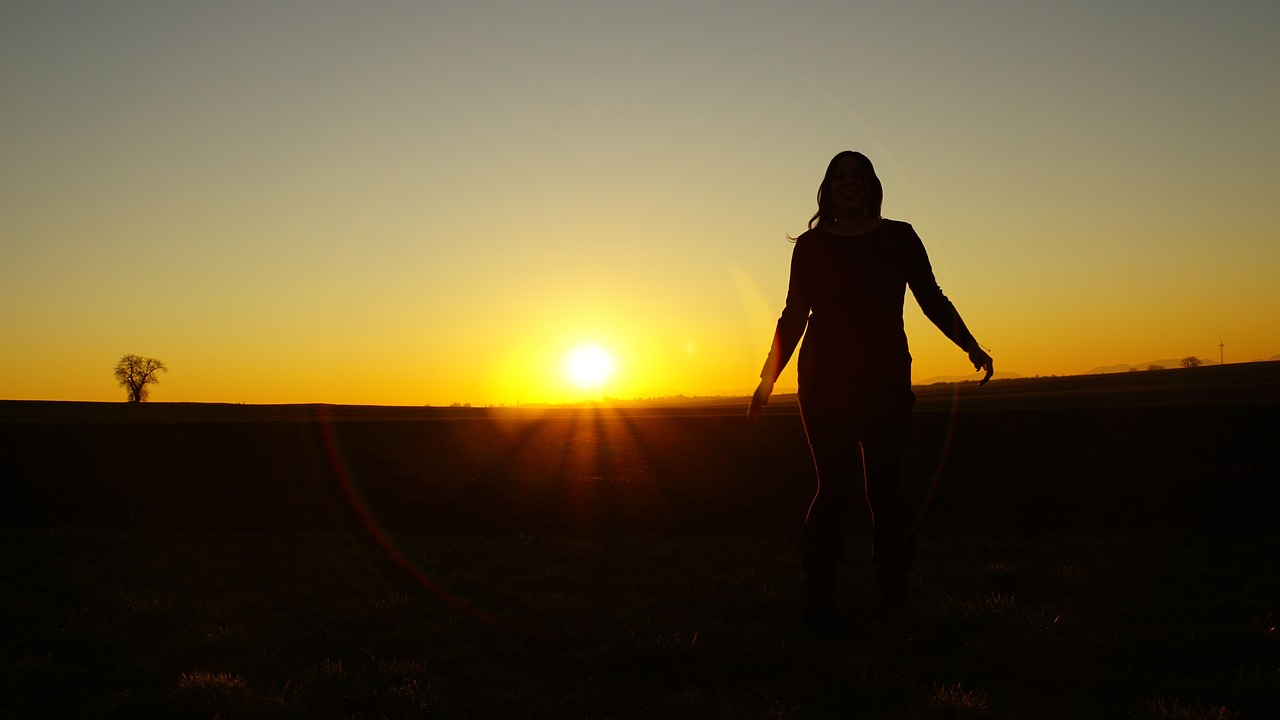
{"x": 435, "y": 203}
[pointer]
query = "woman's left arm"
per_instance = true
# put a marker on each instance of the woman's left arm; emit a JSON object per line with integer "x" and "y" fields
{"x": 940, "y": 310}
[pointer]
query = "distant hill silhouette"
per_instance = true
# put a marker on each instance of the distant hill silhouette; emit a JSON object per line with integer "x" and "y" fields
{"x": 962, "y": 378}
{"x": 1168, "y": 364}
{"x": 1122, "y": 367}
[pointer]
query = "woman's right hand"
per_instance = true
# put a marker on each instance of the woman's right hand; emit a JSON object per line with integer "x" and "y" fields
{"x": 759, "y": 399}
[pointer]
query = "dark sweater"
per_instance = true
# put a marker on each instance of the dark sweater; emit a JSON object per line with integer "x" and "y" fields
{"x": 848, "y": 292}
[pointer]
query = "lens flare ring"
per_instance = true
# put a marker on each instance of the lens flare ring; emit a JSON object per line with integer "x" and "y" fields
{"x": 380, "y": 536}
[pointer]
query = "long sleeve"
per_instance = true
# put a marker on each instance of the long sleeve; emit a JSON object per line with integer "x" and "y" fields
{"x": 794, "y": 319}
{"x": 940, "y": 310}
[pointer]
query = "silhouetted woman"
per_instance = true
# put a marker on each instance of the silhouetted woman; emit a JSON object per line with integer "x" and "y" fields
{"x": 849, "y": 274}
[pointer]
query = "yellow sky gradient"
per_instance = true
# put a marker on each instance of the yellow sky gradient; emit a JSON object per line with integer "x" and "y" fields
{"x": 428, "y": 203}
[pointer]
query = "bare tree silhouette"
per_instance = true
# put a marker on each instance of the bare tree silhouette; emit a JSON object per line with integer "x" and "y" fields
{"x": 135, "y": 373}
{"x": 1191, "y": 361}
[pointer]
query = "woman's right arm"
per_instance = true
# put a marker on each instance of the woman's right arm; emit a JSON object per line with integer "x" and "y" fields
{"x": 789, "y": 330}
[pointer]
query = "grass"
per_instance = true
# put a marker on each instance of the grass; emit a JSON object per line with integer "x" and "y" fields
{"x": 165, "y": 624}
{"x": 1097, "y": 547}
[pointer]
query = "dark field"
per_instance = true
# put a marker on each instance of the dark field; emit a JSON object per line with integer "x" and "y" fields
{"x": 1098, "y": 546}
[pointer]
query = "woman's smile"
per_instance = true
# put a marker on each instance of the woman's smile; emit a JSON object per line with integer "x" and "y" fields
{"x": 848, "y": 189}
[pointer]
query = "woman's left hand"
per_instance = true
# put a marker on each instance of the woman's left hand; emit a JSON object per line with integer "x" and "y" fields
{"x": 982, "y": 361}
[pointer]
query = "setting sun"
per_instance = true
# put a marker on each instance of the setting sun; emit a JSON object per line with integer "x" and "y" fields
{"x": 589, "y": 366}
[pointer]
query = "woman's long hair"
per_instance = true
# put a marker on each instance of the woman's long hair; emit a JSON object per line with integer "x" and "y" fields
{"x": 827, "y": 206}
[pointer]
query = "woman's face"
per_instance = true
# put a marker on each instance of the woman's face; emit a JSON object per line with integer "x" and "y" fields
{"x": 848, "y": 189}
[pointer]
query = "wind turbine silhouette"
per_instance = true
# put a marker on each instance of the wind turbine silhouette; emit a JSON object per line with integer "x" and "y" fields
{"x": 1220, "y": 346}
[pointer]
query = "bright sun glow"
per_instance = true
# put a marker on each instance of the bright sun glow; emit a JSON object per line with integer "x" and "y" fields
{"x": 589, "y": 366}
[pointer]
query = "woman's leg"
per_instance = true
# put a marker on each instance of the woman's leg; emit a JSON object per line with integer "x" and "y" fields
{"x": 838, "y": 463}
{"x": 893, "y": 544}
